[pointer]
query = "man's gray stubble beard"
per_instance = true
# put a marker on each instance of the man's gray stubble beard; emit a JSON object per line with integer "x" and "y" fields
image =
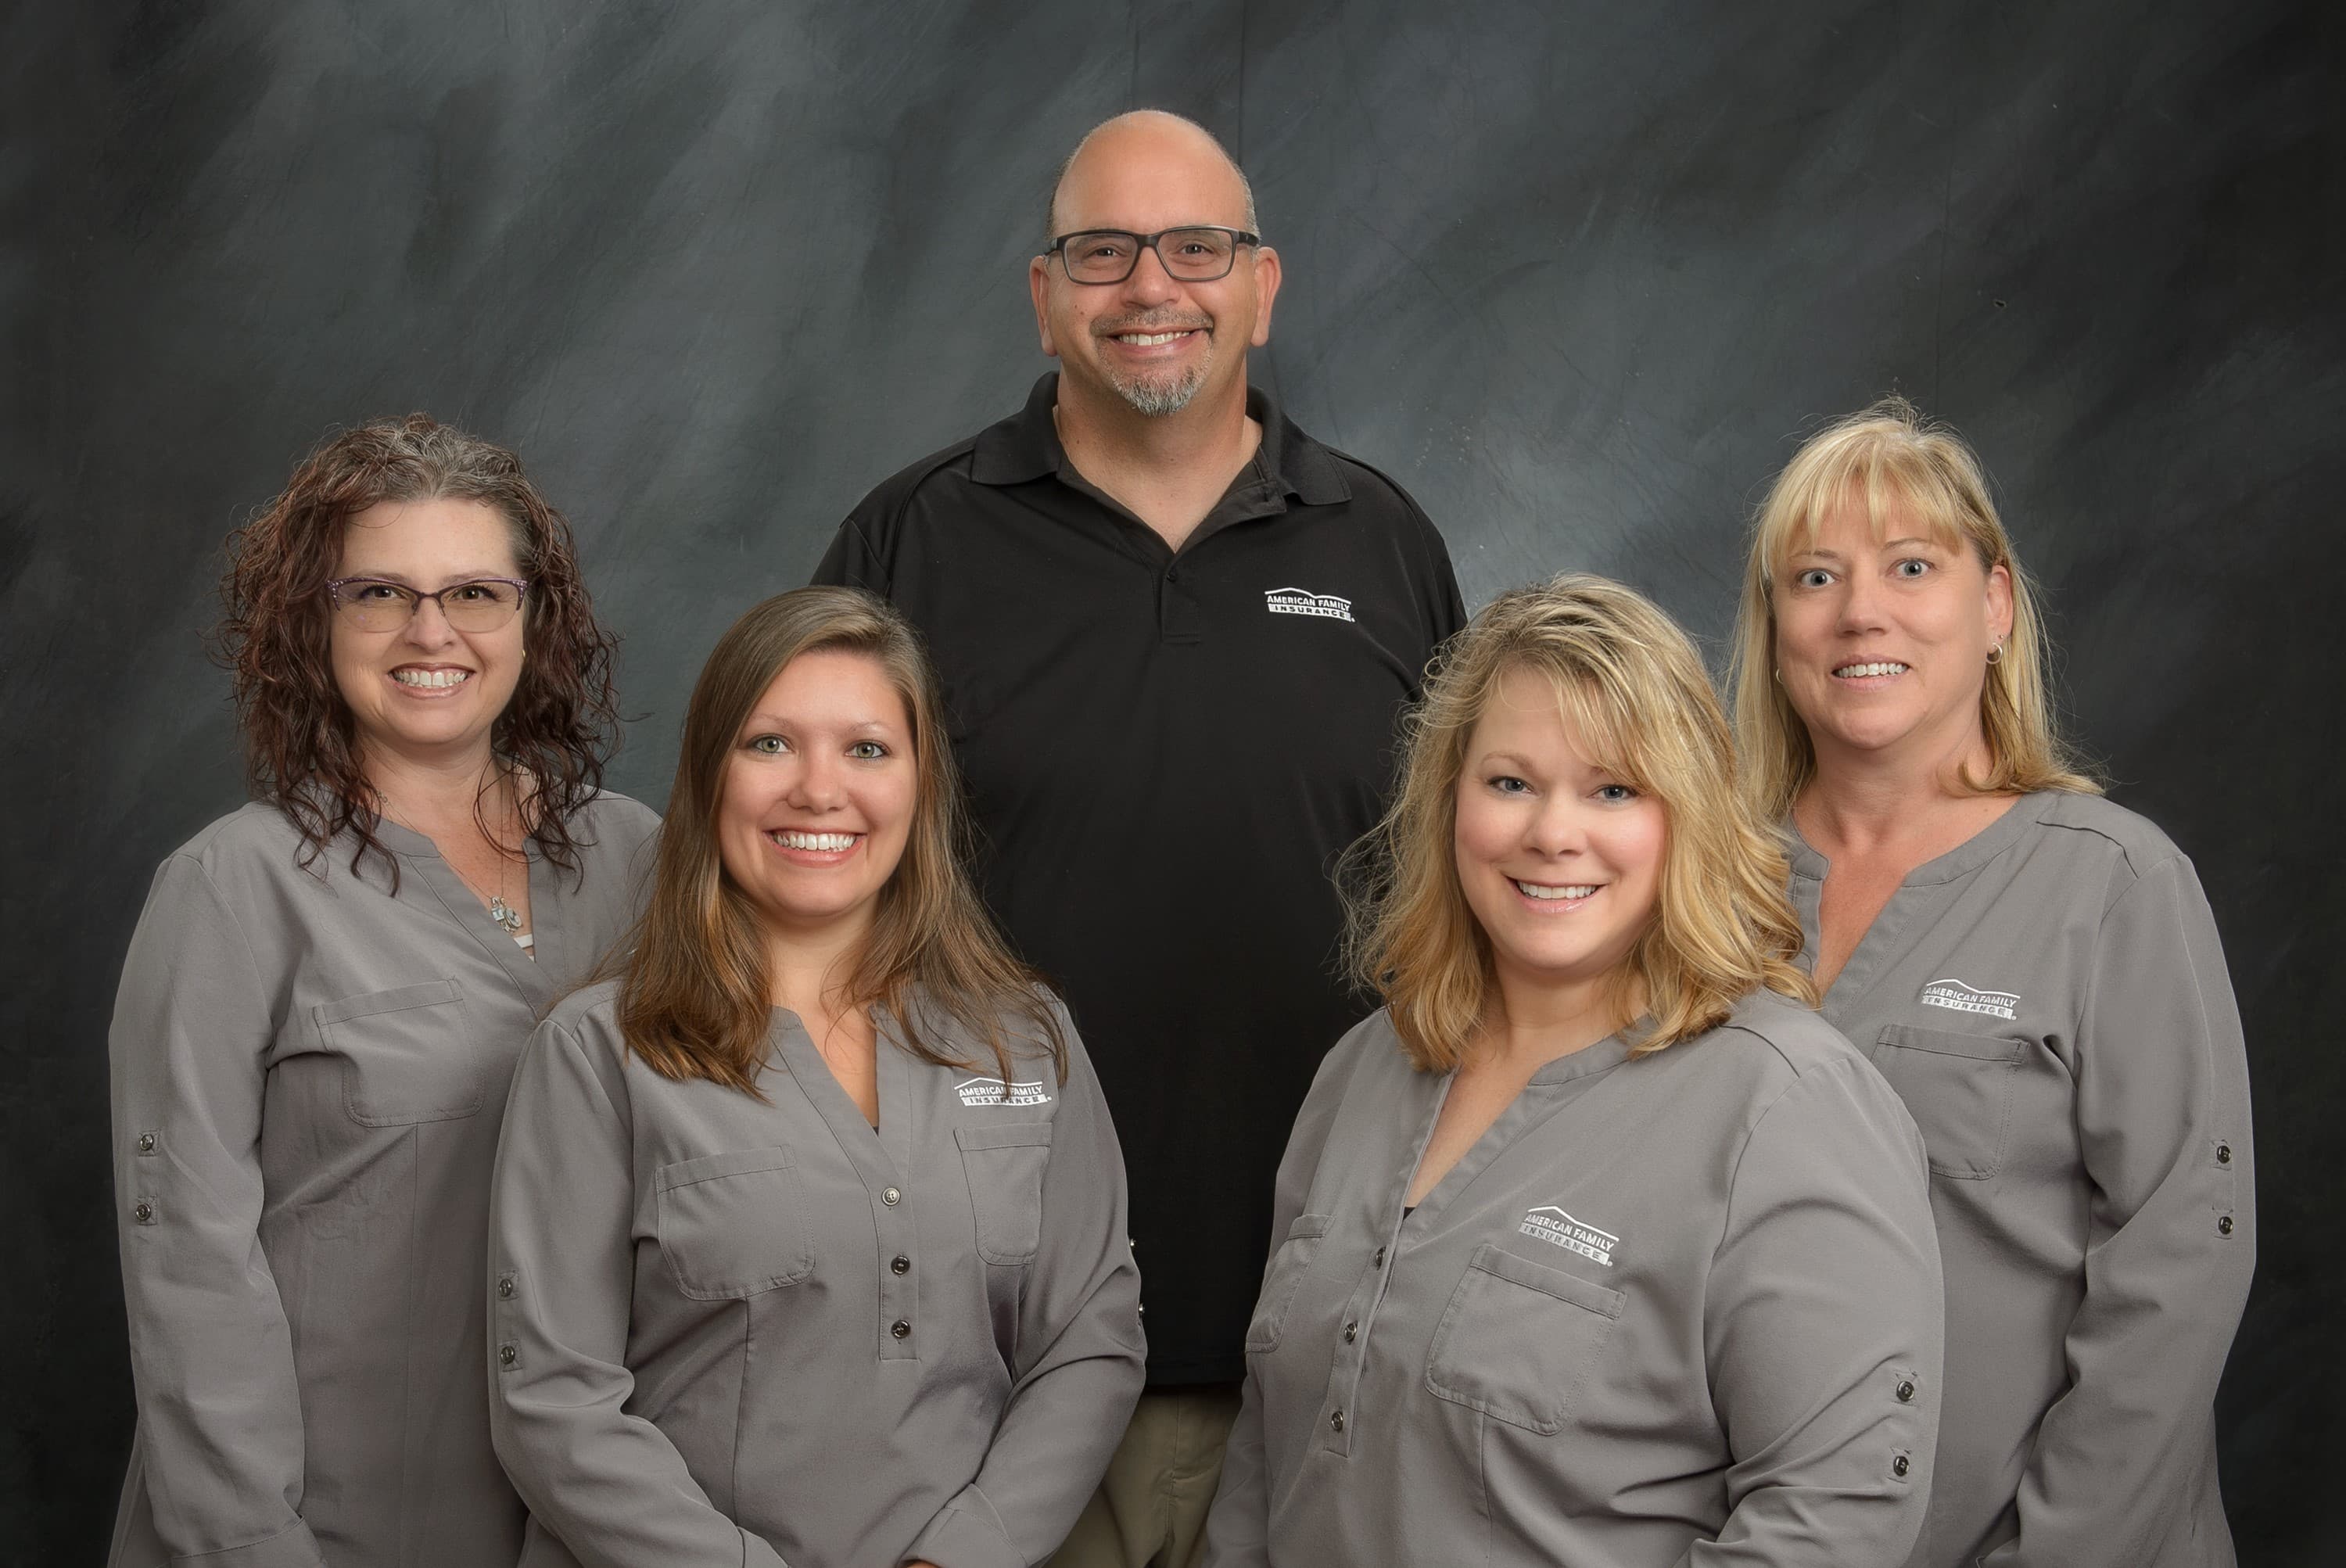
{"x": 1157, "y": 397}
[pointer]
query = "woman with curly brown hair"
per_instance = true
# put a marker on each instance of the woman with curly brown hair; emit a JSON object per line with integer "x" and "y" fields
{"x": 321, "y": 1008}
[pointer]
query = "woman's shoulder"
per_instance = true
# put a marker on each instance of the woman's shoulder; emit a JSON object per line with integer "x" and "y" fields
{"x": 254, "y": 830}
{"x": 1775, "y": 1040}
{"x": 609, "y": 824}
{"x": 591, "y": 1012}
{"x": 2098, "y": 825}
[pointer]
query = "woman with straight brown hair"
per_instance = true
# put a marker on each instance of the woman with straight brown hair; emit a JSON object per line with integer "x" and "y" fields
{"x": 324, "y": 1000}
{"x": 2036, "y": 971}
{"x": 809, "y": 1225}
{"x": 1595, "y": 1244}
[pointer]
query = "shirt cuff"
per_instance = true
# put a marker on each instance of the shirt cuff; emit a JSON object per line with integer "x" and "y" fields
{"x": 291, "y": 1547}
{"x": 967, "y": 1534}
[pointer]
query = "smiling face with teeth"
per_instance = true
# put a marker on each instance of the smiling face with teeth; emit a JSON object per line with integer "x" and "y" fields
{"x": 1153, "y": 344}
{"x": 819, "y": 795}
{"x": 1883, "y": 631}
{"x": 427, "y": 692}
{"x": 1559, "y": 859}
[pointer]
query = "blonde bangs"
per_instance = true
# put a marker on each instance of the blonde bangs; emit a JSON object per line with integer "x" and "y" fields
{"x": 1902, "y": 467}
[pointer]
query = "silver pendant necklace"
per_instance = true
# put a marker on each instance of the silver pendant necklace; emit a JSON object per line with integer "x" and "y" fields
{"x": 508, "y": 918}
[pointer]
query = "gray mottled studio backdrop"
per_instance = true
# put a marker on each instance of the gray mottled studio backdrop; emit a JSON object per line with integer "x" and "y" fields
{"x": 1578, "y": 274}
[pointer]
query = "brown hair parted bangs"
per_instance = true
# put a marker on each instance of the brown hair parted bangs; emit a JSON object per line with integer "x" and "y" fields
{"x": 1630, "y": 687}
{"x": 1886, "y": 457}
{"x": 695, "y": 993}
{"x": 300, "y": 745}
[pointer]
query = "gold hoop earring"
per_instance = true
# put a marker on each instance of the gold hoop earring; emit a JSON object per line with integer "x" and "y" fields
{"x": 1995, "y": 654}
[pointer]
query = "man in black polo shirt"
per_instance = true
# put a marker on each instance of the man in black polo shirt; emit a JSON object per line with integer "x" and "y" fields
{"x": 1174, "y": 634}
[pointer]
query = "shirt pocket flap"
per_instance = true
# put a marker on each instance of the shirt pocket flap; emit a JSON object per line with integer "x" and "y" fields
{"x": 1518, "y": 1338}
{"x": 1947, "y": 1043}
{"x": 407, "y": 1053}
{"x": 1958, "y": 1087}
{"x": 1007, "y": 1135}
{"x": 1282, "y": 1276}
{"x": 1493, "y": 1259}
{"x": 1005, "y": 1163}
{"x": 730, "y": 1226}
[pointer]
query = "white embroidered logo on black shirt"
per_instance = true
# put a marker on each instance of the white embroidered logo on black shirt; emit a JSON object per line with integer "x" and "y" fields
{"x": 1305, "y": 602}
{"x": 1550, "y": 1223}
{"x": 975, "y": 1091}
{"x": 1957, "y": 997}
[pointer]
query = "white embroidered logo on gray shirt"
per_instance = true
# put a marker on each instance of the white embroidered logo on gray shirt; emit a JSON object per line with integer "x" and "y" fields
{"x": 974, "y": 1092}
{"x": 1957, "y": 997}
{"x": 1550, "y": 1223}
{"x": 1305, "y": 602}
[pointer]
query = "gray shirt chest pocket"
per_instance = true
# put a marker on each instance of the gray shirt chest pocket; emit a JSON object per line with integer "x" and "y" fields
{"x": 732, "y": 1225}
{"x": 1004, "y": 1165}
{"x": 1958, "y": 1088}
{"x": 1518, "y": 1338}
{"x": 1282, "y": 1279}
{"x": 407, "y": 1054}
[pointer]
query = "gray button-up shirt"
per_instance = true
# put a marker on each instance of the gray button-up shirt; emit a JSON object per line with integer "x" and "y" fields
{"x": 308, "y": 1073}
{"x": 2050, "y": 998}
{"x": 729, "y": 1331}
{"x": 1676, "y": 1309}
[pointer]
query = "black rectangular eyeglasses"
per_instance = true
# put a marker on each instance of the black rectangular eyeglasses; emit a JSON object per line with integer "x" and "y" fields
{"x": 1197, "y": 254}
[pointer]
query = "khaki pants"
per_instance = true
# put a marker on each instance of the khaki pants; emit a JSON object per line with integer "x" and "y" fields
{"x": 1150, "y": 1509}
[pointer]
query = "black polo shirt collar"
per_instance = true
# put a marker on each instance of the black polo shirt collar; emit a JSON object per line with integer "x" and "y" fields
{"x": 1026, "y": 447}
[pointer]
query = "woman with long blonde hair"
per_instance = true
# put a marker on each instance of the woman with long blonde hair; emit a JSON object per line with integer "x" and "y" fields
{"x": 808, "y": 1226}
{"x": 1595, "y": 1244}
{"x": 2036, "y": 971}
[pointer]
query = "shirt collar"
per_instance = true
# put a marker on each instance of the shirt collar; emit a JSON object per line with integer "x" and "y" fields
{"x": 1026, "y": 447}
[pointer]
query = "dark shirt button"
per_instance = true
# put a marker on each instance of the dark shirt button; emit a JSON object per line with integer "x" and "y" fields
{"x": 1351, "y": 1332}
{"x": 1336, "y": 1421}
{"x": 891, "y": 1196}
{"x": 507, "y": 1355}
{"x": 901, "y": 1329}
{"x": 147, "y": 1145}
{"x": 1381, "y": 1258}
{"x": 504, "y": 1287}
{"x": 144, "y": 1213}
{"x": 1898, "y": 1466}
{"x": 1905, "y": 1392}
{"x": 2224, "y": 1225}
{"x": 2223, "y": 1153}
{"x": 900, "y": 1264}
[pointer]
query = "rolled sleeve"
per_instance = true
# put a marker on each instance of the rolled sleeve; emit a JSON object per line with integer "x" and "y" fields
{"x": 608, "y": 1483}
{"x": 1824, "y": 1325}
{"x": 1082, "y": 1353}
{"x": 211, "y": 1355}
{"x": 2163, "y": 1125}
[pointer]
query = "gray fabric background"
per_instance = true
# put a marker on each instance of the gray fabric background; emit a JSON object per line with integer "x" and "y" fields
{"x": 1578, "y": 275}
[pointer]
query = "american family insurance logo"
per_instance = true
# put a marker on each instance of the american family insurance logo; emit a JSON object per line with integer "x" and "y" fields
{"x": 975, "y": 1091}
{"x": 1303, "y": 602}
{"x": 1552, "y": 1223}
{"x": 1956, "y": 997}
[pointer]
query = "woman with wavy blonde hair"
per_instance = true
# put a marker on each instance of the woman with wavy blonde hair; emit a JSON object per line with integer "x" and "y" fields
{"x": 808, "y": 1226}
{"x": 2036, "y": 971}
{"x": 1595, "y": 1244}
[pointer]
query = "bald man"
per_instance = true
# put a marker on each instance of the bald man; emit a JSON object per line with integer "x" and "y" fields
{"x": 1175, "y": 633}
